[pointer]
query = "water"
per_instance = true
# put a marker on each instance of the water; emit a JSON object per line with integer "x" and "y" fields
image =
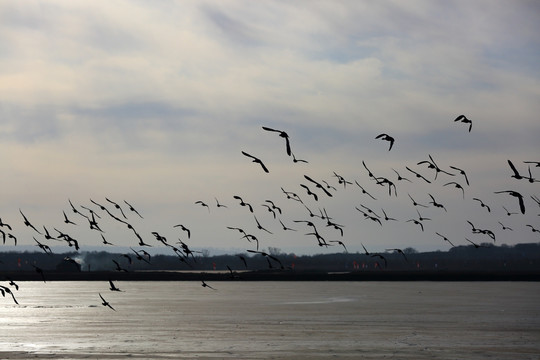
{"x": 263, "y": 320}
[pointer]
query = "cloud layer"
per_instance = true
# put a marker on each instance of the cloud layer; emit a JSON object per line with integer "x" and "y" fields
{"x": 153, "y": 102}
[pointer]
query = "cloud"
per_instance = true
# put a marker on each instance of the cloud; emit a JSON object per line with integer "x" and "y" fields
{"x": 154, "y": 101}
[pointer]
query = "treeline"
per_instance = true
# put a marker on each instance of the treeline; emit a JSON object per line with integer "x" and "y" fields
{"x": 487, "y": 257}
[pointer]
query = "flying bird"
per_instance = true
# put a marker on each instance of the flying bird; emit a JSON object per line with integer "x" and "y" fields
{"x": 218, "y": 204}
{"x": 516, "y": 195}
{"x": 284, "y": 135}
{"x": 203, "y": 204}
{"x": 364, "y": 190}
{"x": 242, "y": 203}
{"x": 131, "y": 208}
{"x": 457, "y": 186}
{"x": 4, "y": 290}
{"x": 117, "y": 207}
{"x": 504, "y": 227}
{"x": 113, "y": 287}
{"x": 462, "y": 172}
{"x": 203, "y": 284}
{"x": 464, "y": 119}
{"x": 66, "y": 220}
{"x": 256, "y": 160}
{"x": 445, "y": 239}
{"x": 400, "y": 252}
{"x": 400, "y": 178}
{"x": 105, "y": 302}
{"x": 295, "y": 160}
{"x": 185, "y": 229}
{"x": 418, "y": 175}
{"x": 309, "y": 192}
{"x": 482, "y": 204}
{"x": 318, "y": 185}
{"x": 27, "y": 223}
{"x": 516, "y": 175}
{"x": 388, "y": 138}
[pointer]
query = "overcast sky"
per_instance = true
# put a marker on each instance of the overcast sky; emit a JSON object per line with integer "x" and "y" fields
{"x": 153, "y": 102}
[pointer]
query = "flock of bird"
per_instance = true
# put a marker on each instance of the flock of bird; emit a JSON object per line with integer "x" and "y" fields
{"x": 307, "y": 197}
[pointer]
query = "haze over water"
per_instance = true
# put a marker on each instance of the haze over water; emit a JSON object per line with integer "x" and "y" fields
{"x": 261, "y": 320}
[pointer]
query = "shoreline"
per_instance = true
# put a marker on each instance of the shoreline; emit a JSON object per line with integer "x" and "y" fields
{"x": 274, "y": 276}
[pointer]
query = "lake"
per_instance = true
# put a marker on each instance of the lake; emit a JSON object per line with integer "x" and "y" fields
{"x": 272, "y": 320}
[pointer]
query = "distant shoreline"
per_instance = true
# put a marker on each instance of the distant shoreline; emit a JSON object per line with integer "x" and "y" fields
{"x": 274, "y": 276}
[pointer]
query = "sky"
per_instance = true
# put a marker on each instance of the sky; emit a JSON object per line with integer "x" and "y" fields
{"x": 153, "y": 103}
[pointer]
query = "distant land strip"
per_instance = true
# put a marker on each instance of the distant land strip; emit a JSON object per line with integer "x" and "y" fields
{"x": 380, "y": 275}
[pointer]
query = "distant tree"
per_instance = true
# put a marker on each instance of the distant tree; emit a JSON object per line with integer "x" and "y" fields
{"x": 274, "y": 251}
{"x": 205, "y": 253}
{"x": 410, "y": 250}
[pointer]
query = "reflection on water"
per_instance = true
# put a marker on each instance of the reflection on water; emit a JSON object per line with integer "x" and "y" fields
{"x": 274, "y": 319}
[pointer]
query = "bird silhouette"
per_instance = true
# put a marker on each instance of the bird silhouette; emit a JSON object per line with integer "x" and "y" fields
{"x": 256, "y": 160}
{"x": 536, "y": 163}
{"x": 364, "y": 190}
{"x": 118, "y": 267}
{"x": 415, "y": 203}
{"x": 243, "y": 203}
{"x": 340, "y": 243}
{"x": 291, "y": 195}
{"x": 131, "y": 208}
{"x": 218, "y": 204}
{"x": 457, "y": 186}
{"x": 341, "y": 180}
{"x": 318, "y": 185}
{"x": 3, "y": 224}
{"x": 309, "y": 192}
{"x": 445, "y": 239}
{"x": 464, "y": 119}
{"x": 295, "y": 160}
{"x": 436, "y": 204}
{"x": 516, "y": 175}
{"x": 380, "y": 257}
{"x": 417, "y": 222}
{"x": 284, "y": 135}
{"x": 27, "y": 223}
{"x": 508, "y": 213}
{"x": 66, "y": 220}
{"x": 39, "y": 271}
{"x": 285, "y": 227}
{"x": 243, "y": 260}
{"x": 4, "y": 290}
{"x": 386, "y": 217}
{"x": 516, "y": 195}
{"x": 105, "y": 242}
{"x": 433, "y": 165}
{"x": 386, "y": 137}
{"x": 105, "y": 302}
{"x": 482, "y": 204}
{"x": 418, "y": 175}
{"x": 462, "y": 172}
{"x": 184, "y": 229}
{"x": 399, "y": 177}
{"x": 112, "y": 286}
{"x": 43, "y": 247}
{"x": 259, "y": 226}
{"x": 370, "y": 174}
{"x": 203, "y": 284}
{"x": 117, "y": 206}
{"x": 504, "y": 227}
{"x": 203, "y": 204}
{"x": 400, "y": 252}
{"x": 477, "y": 246}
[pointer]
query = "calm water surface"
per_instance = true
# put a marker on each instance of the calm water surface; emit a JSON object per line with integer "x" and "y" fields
{"x": 264, "y": 320}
